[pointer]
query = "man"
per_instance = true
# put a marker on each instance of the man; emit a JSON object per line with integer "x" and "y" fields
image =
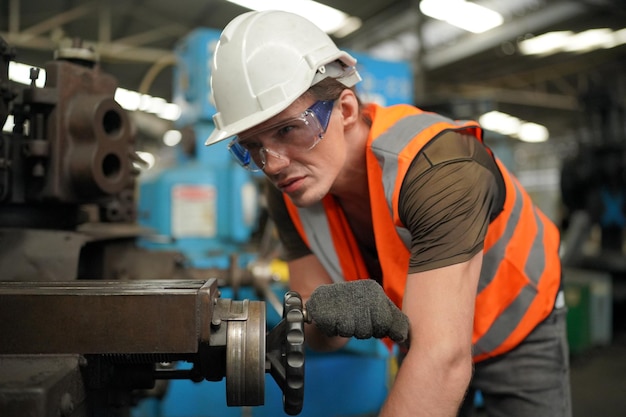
{"x": 366, "y": 195}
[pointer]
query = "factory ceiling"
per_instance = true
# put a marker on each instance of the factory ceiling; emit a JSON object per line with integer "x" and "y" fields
{"x": 456, "y": 71}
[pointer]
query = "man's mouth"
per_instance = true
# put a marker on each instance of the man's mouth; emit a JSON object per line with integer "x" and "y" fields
{"x": 290, "y": 185}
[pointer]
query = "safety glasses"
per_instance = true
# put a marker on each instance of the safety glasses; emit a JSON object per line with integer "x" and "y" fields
{"x": 289, "y": 137}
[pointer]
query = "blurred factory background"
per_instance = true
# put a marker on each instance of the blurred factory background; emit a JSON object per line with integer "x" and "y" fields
{"x": 118, "y": 227}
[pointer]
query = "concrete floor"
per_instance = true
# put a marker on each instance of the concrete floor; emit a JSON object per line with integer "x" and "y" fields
{"x": 599, "y": 381}
{"x": 599, "y": 374}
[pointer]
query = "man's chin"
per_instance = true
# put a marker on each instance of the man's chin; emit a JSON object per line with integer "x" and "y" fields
{"x": 304, "y": 200}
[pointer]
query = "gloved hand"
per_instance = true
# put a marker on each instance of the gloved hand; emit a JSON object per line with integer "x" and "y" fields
{"x": 358, "y": 309}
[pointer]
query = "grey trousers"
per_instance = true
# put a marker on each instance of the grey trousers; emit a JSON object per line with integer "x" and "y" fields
{"x": 532, "y": 380}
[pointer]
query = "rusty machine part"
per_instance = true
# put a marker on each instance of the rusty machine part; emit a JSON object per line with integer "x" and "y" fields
{"x": 71, "y": 144}
{"x": 89, "y": 321}
{"x": 67, "y": 173}
{"x": 105, "y": 339}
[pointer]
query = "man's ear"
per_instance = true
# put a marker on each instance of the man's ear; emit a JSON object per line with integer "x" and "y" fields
{"x": 349, "y": 107}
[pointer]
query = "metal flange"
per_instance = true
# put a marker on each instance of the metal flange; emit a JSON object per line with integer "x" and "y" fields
{"x": 245, "y": 354}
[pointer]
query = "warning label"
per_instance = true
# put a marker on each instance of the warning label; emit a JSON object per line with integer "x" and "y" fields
{"x": 194, "y": 211}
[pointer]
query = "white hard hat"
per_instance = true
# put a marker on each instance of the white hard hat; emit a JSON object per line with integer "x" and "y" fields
{"x": 263, "y": 62}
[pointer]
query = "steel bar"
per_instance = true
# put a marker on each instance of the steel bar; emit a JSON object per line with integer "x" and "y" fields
{"x": 86, "y": 317}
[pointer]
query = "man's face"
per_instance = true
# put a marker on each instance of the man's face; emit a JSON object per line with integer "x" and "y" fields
{"x": 305, "y": 169}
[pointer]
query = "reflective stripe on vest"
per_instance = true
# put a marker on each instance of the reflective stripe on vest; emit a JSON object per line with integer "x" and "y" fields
{"x": 534, "y": 267}
{"x": 316, "y": 228}
{"x": 320, "y": 239}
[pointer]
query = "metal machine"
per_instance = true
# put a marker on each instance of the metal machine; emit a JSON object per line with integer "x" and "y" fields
{"x": 89, "y": 321}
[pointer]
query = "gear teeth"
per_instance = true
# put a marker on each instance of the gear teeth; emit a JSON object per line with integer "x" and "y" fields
{"x": 293, "y": 354}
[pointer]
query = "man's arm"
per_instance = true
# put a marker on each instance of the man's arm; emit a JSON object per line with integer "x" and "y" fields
{"x": 435, "y": 374}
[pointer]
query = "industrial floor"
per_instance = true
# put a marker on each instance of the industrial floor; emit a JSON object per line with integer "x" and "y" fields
{"x": 599, "y": 375}
{"x": 599, "y": 380}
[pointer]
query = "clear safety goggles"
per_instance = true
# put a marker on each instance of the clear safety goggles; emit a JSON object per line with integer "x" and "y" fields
{"x": 298, "y": 134}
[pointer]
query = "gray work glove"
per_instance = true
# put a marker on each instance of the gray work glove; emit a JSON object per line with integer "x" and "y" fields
{"x": 358, "y": 309}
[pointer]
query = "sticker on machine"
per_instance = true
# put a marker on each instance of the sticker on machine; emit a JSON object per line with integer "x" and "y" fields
{"x": 194, "y": 211}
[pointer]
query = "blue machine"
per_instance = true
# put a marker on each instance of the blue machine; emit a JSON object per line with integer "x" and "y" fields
{"x": 384, "y": 82}
{"x": 206, "y": 207}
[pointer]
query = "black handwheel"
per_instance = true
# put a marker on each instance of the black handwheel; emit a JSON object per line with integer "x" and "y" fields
{"x": 285, "y": 353}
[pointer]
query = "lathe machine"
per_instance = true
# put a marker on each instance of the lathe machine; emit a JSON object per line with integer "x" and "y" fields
{"x": 89, "y": 322}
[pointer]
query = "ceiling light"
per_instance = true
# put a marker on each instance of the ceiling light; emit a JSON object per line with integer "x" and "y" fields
{"x": 129, "y": 100}
{"x": 506, "y": 124}
{"x": 172, "y": 137}
{"x": 328, "y": 19}
{"x": 462, "y": 14}
{"x": 133, "y": 101}
{"x": 567, "y": 41}
{"x": 590, "y": 40}
{"x": 548, "y": 43}
{"x": 533, "y": 132}
{"x": 20, "y": 73}
{"x": 8, "y": 125}
{"x": 148, "y": 159}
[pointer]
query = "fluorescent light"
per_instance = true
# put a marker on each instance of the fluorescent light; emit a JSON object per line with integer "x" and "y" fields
{"x": 349, "y": 25}
{"x": 148, "y": 159}
{"x": 462, "y": 14}
{"x": 506, "y": 124}
{"x": 328, "y": 19}
{"x": 129, "y": 100}
{"x": 548, "y": 43}
{"x": 533, "y": 132}
{"x": 500, "y": 122}
{"x": 590, "y": 40}
{"x": 20, "y": 73}
{"x": 8, "y": 125}
{"x": 134, "y": 101}
{"x": 170, "y": 111}
{"x": 172, "y": 137}
{"x": 567, "y": 41}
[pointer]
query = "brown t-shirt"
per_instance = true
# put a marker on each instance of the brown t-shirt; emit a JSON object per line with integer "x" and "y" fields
{"x": 451, "y": 192}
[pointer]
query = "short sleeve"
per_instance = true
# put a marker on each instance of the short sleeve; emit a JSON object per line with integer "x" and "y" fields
{"x": 450, "y": 194}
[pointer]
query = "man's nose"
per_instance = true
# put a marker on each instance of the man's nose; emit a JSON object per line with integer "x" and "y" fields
{"x": 274, "y": 161}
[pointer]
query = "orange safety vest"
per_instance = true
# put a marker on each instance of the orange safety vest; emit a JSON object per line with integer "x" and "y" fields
{"x": 521, "y": 270}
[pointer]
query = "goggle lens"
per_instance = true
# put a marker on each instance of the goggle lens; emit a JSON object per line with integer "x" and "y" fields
{"x": 299, "y": 134}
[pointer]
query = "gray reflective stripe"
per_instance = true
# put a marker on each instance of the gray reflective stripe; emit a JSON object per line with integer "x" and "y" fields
{"x": 389, "y": 144}
{"x": 508, "y": 321}
{"x": 493, "y": 257}
{"x": 387, "y": 147}
{"x": 535, "y": 268}
{"x": 405, "y": 236}
{"x": 320, "y": 239}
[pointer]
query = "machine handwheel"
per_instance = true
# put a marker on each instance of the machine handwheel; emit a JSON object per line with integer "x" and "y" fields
{"x": 293, "y": 359}
{"x": 285, "y": 353}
